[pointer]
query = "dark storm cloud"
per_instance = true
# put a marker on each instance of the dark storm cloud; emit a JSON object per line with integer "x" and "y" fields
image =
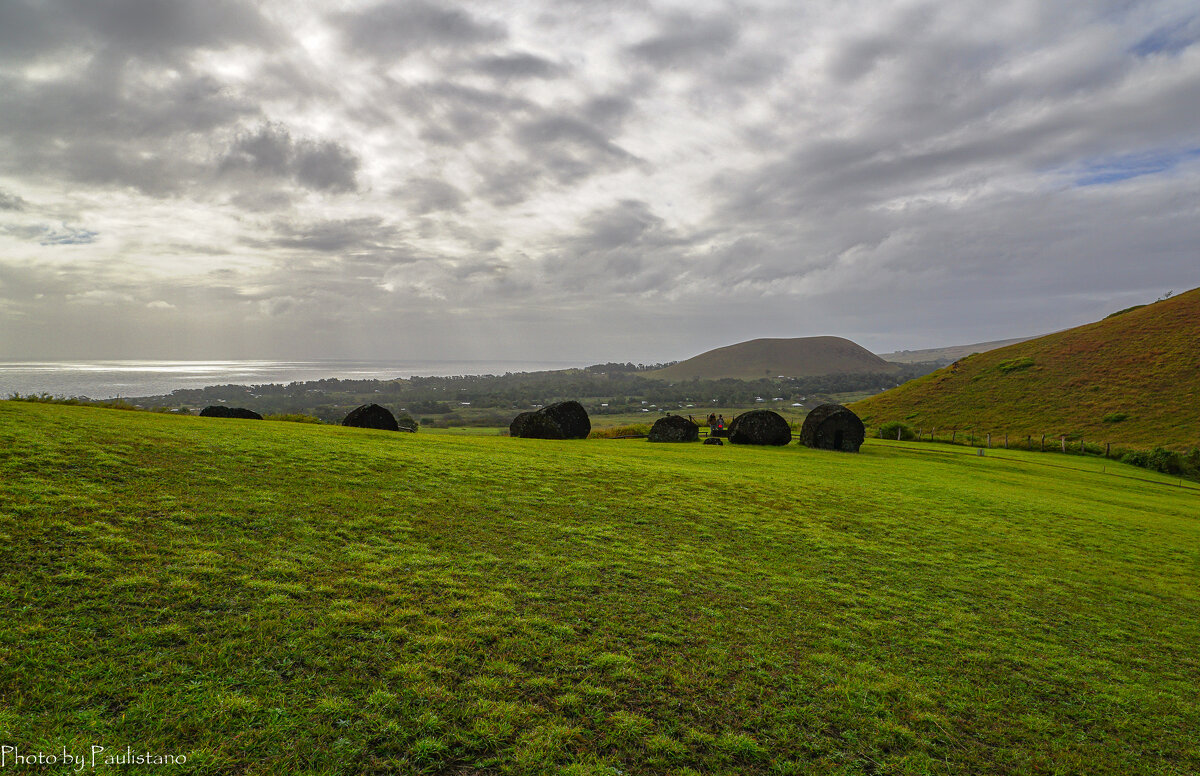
{"x": 369, "y": 233}
{"x": 326, "y": 166}
{"x": 686, "y": 40}
{"x": 569, "y": 148}
{"x": 510, "y": 184}
{"x": 112, "y": 123}
{"x": 391, "y": 30}
{"x": 142, "y": 28}
{"x": 453, "y": 114}
{"x": 430, "y": 195}
{"x": 270, "y": 150}
{"x": 516, "y": 66}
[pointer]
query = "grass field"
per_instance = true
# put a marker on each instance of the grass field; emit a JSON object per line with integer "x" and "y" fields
{"x": 284, "y": 598}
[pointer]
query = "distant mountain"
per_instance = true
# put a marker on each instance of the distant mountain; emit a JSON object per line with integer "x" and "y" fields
{"x": 1132, "y": 378}
{"x": 947, "y": 354}
{"x": 798, "y": 357}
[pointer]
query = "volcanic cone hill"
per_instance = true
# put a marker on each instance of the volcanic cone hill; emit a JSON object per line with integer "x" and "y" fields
{"x": 1131, "y": 379}
{"x": 797, "y": 357}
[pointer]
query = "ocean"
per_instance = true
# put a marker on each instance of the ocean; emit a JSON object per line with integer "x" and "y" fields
{"x": 128, "y": 379}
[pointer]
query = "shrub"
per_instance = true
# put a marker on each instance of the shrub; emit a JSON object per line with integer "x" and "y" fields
{"x": 1015, "y": 364}
{"x": 619, "y": 431}
{"x": 294, "y": 418}
{"x": 889, "y": 430}
{"x": 1116, "y": 417}
{"x": 1158, "y": 460}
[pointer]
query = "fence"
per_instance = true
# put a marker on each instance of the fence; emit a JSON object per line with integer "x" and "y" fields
{"x": 1160, "y": 460}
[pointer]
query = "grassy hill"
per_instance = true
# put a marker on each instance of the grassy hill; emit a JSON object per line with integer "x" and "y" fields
{"x": 265, "y": 597}
{"x": 798, "y": 357}
{"x": 1130, "y": 379}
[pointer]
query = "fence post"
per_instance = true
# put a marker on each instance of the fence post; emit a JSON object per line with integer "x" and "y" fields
{"x": 898, "y": 430}
{"x": 953, "y": 434}
{"x": 1064, "y": 443}
{"x": 1082, "y": 448}
{"x": 989, "y": 440}
{"x": 1006, "y": 441}
{"x": 1107, "y": 447}
{"x": 1043, "y": 443}
{"x": 933, "y": 434}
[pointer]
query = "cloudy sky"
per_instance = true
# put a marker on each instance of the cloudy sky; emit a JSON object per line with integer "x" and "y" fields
{"x": 585, "y": 181}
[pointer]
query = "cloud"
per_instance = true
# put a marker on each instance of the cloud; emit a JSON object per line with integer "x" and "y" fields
{"x": 589, "y": 177}
{"x": 1170, "y": 39}
{"x": 430, "y": 195}
{"x": 569, "y": 148}
{"x": 270, "y": 151}
{"x": 11, "y": 202}
{"x": 100, "y": 297}
{"x": 368, "y": 233}
{"x": 141, "y": 28}
{"x": 45, "y": 234}
{"x": 1121, "y": 168}
{"x": 396, "y": 29}
{"x": 517, "y": 66}
{"x": 686, "y": 40}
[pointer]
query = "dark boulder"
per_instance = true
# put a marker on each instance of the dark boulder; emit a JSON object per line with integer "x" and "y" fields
{"x": 518, "y": 424}
{"x": 713, "y": 441}
{"x": 535, "y": 425}
{"x": 371, "y": 416}
{"x": 760, "y": 427}
{"x": 832, "y": 427}
{"x": 565, "y": 420}
{"x": 217, "y": 411}
{"x": 571, "y": 417}
{"x": 674, "y": 428}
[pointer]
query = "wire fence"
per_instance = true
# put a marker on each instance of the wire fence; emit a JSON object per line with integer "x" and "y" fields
{"x": 1174, "y": 463}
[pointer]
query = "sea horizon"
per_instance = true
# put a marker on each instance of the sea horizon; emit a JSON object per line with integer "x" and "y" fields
{"x": 100, "y": 379}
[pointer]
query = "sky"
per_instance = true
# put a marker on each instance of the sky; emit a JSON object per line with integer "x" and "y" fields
{"x": 582, "y": 181}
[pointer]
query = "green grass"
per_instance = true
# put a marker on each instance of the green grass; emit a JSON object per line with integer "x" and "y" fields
{"x": 288, "y": 598}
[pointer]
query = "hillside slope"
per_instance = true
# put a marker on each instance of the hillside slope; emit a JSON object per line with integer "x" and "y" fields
{"x": 796, "y": 357}
{"x": 1129, "y": 379}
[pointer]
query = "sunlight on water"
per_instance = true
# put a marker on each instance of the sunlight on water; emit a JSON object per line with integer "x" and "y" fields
{"x": 132, "y": 378}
